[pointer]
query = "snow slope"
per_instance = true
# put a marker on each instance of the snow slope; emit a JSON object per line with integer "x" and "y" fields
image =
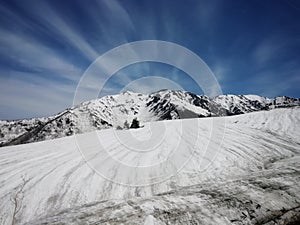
{"x": 116, "y": 110}
{"x": 244, "y": 171}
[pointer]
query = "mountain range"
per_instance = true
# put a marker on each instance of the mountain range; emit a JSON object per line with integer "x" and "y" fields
{"x": 118, "y": 111}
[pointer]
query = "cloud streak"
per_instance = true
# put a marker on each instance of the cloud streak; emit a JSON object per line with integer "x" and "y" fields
{"x": 33, "y": 97}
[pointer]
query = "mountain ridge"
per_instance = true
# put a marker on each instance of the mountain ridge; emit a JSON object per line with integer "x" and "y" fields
{"x": 118, "y": 111}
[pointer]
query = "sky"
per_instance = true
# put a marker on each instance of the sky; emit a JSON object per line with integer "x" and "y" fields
{"x": 251, "y": 46}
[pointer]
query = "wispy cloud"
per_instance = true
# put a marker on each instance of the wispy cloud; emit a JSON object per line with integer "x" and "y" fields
{"x": 33, "y": 96}
{"x": 266, "y": 51}
{"x": 273, "y": 48}
{"x": 29, "y": 53}
{"x": 281, "y": 80}
{"x": 122, "y": 16}
{"x": 59, "y": 27}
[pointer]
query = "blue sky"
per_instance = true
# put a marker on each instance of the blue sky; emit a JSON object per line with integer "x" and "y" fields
{"x": 252, "y": 47}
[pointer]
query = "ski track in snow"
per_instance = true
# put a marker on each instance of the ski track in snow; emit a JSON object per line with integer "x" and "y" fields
{"x": 258, "y": 148}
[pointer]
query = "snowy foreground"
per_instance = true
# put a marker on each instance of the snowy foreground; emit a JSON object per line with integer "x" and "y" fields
{"x": 228, "y": 170}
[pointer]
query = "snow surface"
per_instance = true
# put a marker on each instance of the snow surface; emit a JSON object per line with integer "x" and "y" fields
{"x": 225, "y": 170}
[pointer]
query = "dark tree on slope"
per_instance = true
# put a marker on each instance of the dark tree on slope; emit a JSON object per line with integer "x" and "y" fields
{"x": 135, "y": 123}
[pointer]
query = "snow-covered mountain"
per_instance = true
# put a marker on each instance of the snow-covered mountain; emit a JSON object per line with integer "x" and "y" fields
{"x": 251, "y": 176}
{"x": 118, "y": 111}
